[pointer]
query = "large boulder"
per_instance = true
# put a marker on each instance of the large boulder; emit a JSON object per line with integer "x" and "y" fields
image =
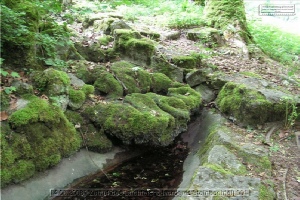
{"x": 146, "y": 118}
{"x": 251, "y": 106}
{"x": 208, "y": 36}
{"x": 37, "y": 137}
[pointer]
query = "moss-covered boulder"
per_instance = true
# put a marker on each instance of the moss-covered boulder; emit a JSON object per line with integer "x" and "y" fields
{"x": 160, "y": 83}
{"x": 161, "y": 65}
{"x": 92, "y": 52}
{"x": 132, "y": 46}
{"x": 249, "y": 106}
{"x": 135, "y": 79}
{"x": 146, "y": 118}
{"x": 186, "y": 62}
{"x": 130, "y": 125}
{"x": 77, "y": 98}
{"x": 51, "y": 82}
{"x": 107, "y": 84}
{"x": 36, "y": 138}
{"x": 87, "y": 71}
{"x": 93, "y": 139}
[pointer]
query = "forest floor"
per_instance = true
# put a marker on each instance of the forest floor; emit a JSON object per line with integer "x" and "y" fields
{"x": 284, "y": 152}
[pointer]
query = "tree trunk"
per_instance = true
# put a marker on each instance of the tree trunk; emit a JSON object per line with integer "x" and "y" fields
{"x": 230, "y": 17}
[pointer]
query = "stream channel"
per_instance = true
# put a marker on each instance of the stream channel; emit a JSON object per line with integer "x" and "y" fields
{"x": 139, "y": 168}
{"x": 153, "y": 173}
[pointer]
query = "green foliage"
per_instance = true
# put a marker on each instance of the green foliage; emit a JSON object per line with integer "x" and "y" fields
{"x": 29, "y": 29}
{"x": 277, "y": 44}
{"x": 291, "y": 111}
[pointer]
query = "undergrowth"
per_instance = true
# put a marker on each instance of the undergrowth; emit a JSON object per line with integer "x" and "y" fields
{"x": 279, "y": 45}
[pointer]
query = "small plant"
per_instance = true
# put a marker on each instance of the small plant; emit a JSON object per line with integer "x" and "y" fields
{"x": 291, "y": 113}
{"x": 8, "y": 77}
{"x": 274, "y": 148}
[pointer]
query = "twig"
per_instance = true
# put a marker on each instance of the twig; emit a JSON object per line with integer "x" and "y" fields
{"x": 123, "y": 85}
{"x": 85, "y": 144}
{"x": 268, "y": 136}
{"x": 284, "y": 186}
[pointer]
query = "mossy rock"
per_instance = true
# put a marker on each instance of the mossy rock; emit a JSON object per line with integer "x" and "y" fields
{"x": 188, "y": 95}
{"x": 50, "y": 135}
{"x": 248, "y": 106}
{"x": 161, "y": 65}
{"x": 86, "y": 71}
{"x": 107, "y": 84}
{"x": 186, "y": 62}
{"x": 160, "y": 83}
{"x": 128, "y": 124}
{"x": 95, "y": 139}
{"x": 92, "y": 52}
{"x": 132, "y": 46}
{"x": 52, "y": 82}
{"x": 211, "y": 37}
{"x": 88, "y": 89}
{"x": 77, "y": 98}
{"x": 136, "y": 79}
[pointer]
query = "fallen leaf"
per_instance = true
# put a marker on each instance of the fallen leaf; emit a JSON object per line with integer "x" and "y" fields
{"x": 3, "y": 115}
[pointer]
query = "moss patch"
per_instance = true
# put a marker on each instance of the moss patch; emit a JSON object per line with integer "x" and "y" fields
{"x": 187, "y": 62}
{"x": 131, "y": 45}
{"x": 160, "y": 83}
{"x": 77, "y": 98}
{"x": 88, "y": 89}
{"x": 107, "y": 84}
{"x": 51, "y": 81}
{"x": 136, "y": 79}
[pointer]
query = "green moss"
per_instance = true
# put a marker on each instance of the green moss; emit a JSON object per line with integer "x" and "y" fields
{"x": 130, "y": 44}
{"x": 41, "y": 137}
{"x": 77, "y": 96}
{"x": 134, "y": 78}
{"x": 187, "y": 62}
{"x": 191, "y": 97}
{"x": 96, "y": 140}
{"x": 247, "y": 105}
{"x": 106, "y": 83}
{"x": 139, "y": 119}
{"x": 251, "y": 74}
{"x": 218, "y": 168}
{"x": 51, "y": 81}
{"x": 36, "y": 110}
{"x": 160, "y": 83}
{"x": 4, "y": 101}
{"x": 88, "y": 89}
{"x": 74, "y": 117}
{"x": 22, "y": 170}
{"x": 104, "y": 40}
